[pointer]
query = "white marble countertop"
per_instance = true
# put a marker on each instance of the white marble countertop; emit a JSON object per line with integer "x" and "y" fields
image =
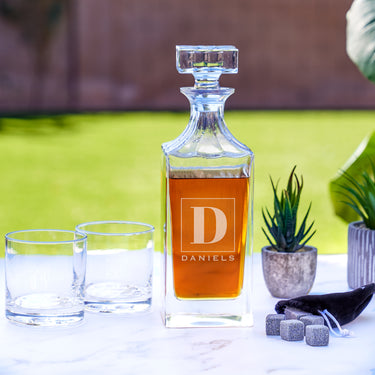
{"x": 142, "y": 345}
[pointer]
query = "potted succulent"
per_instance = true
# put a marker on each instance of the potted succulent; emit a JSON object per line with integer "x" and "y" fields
{"x": 289, "y": 265}
{"x": 360, "y": 196}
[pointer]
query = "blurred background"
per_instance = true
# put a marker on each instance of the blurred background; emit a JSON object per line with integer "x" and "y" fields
{"x": 89, "y": 91}
{"x": 64, "y": 55}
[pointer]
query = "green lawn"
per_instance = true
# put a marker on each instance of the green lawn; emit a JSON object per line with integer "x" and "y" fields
{"x": 61, "y": 170}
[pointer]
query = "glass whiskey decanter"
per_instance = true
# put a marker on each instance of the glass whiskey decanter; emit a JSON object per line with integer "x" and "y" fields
{"x": 207, "y": 203}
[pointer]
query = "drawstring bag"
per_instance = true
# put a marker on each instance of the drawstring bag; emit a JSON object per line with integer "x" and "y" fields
{"x": 336, "y": 308}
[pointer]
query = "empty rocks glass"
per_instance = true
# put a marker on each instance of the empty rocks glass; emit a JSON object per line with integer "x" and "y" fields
{"x": 44, "y": 277}
{"x": 119, "y": 266}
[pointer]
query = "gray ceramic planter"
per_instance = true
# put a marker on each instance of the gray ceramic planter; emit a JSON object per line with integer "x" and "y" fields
{"x": 289, "y": 275}
{"x": 361, "y": 255}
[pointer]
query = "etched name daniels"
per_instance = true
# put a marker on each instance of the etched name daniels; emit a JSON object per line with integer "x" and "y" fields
{"x": 207, "y": 258}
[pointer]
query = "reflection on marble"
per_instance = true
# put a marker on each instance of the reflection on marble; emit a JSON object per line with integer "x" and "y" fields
{"x": 139, "y": 344}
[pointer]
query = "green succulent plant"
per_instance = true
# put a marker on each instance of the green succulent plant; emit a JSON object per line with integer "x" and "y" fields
{"x": 282, "y": 224}
{"x": 360, "y": 195}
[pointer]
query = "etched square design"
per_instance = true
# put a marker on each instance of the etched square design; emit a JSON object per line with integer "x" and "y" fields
{"x": 211, "y": 223}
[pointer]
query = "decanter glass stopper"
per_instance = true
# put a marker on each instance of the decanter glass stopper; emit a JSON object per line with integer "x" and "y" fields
{"x": 206, "y": 63}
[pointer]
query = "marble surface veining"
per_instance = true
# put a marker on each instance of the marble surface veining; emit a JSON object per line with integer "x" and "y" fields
{"x": 140, "y": 344}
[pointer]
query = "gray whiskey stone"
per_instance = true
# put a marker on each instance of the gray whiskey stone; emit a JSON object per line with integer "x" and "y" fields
{"x": 292, "y": 330}
{"x": 273, "y": 324}
{"x": 317, "y": 335}
{"x": 308, "y": 320}
{"x": 292, "y": 313}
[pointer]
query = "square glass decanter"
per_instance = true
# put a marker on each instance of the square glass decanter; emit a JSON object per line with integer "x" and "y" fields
{"x": 207, "y": 204}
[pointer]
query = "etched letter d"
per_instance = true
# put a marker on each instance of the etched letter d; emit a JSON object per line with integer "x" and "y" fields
{"x": 220, "y": 227}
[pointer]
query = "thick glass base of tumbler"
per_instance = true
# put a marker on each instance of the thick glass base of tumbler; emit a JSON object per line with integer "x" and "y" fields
{"x": 207, "y": 320}
{"x": 119, "y": 307}
{"x": 117, "y": 298}
{"x": 44, "y": 310}
{"x": 44, "y": 320}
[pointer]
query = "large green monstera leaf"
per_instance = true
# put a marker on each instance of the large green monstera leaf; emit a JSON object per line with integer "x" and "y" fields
{"x": 359, "y": 162}
{"x": 360, "y": 36}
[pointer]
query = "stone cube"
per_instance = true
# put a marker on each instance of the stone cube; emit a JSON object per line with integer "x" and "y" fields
{"x": 292, "y": 313}
{"x": 308, "y": 320}
{"x": 292, "y": 330}
{"x": 273, "y": 324}
{"x": 317, "y": 335}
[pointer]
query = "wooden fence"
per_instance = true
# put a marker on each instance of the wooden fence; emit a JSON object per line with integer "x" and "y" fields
{"x": 67, "y": 55}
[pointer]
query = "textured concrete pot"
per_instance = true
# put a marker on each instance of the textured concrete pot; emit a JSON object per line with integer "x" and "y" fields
{"x": 361, "y": 255}
{"x": 289, "y": 275}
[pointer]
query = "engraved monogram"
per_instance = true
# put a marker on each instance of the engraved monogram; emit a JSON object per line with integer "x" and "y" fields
{"x": 212, "y": 221}
{"x": 221, "y": 224}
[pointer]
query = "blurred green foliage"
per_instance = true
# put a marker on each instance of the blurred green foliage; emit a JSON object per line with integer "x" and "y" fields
{"x": 61, "y": 170}
{"x": 358, "y": 167}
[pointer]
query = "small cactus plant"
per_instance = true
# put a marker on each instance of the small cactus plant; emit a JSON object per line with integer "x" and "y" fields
{"x": 282, "y": 224}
